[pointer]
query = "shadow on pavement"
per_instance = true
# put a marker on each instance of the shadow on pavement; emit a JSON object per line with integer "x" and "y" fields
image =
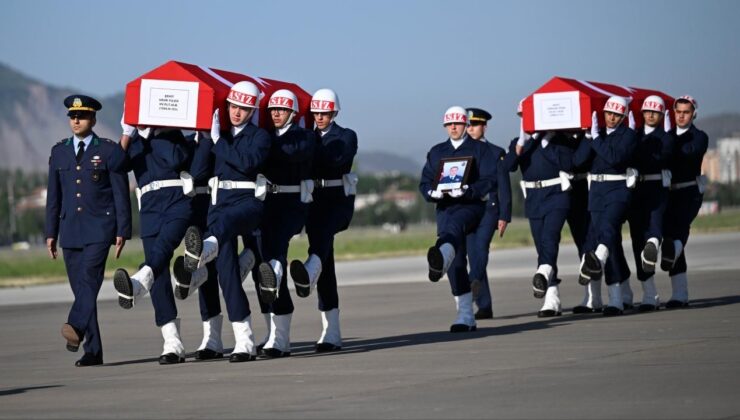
{"x": 14, "y": 391}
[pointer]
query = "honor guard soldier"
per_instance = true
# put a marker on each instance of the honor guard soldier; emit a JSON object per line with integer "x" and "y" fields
{"x": 237, "y": 191}
{"x": 645, "y": 217}
{"x": 459, "y": 210}
{"x": 545, "y": 162}
{"x": 157, "y": 156}
{"x": 330, "y": 213}
{"x": 608, "y": 154}
{"x": 288, "y": 170}
{"x": 685, "y": 197}
{"x": 496, "y": 217}
{"x": 88, "y": 209}
{"x": 205, "y": 279}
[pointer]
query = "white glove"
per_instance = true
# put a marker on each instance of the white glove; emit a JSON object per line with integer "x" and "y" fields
{"x": 631, "y": 120}
{"x": 523, "y": 137}
{"x": 144, "y": 132}
{"x": 455, "y": 192}
{"x": 128, "y": 130}
{"x": 435, "y": 194}
{"x": 215, "y": 127}
{"x": 667, "y": 121}
{"x": 546, "y": 140}
{"x": 594, "y": 127}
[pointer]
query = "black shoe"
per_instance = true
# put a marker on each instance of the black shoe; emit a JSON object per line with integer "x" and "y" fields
{"x": 327, "y": 347}
{"x": 484, "y": 313}
{"x": 628, "y": 306}
{"x": 259, "y": 349}
{"x": 73, "y": 336}
{"x": 649, "y": 257}
{"x": 647, "y": 308}
{"x": 539, "y": 285}
{"x": 459, "y": 328}
{"x": 676, "y": 304}
{"x": 274, "y": 353}
{"x": 300, "y": 278}
{"x": 612, "y": 311}
{"x": 267, "y": 283}
{"x": 548, "y": 313}
{"x": 241, "y": 357}
{"x": 667, "y": 254}
{"x": 193, "y": 247}
{"x": 170, "y": 359}
{"x": 124, "y": 287}
{"x": 208, "y": 354}
{"x": 182, "y": 278}
{"x": 582, "y": 309}
{"x": 591, "y": 269}
{"x": 436, "y": 263}
{"x": 89, "y": 359}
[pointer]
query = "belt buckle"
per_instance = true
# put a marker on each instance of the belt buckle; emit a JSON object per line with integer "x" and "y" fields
{"x": 599, "y": 178}
{"x": 227, "y": 185}
{"x": 154, "y": 185}
{"x": 273, "y": 188}
{"x": 538, "y": 184}
{"x": 319, "y": 183}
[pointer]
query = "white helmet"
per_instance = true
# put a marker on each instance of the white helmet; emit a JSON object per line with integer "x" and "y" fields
{"x": 244, "y": 94}
{"x": 687, "y": 99}
{"x": 653, "y": 103}
{"x": 617, "y": 105}
{"x": 455, "y": 114}
{"x": 283, "y": 98}
{"x": 325, "y": 100}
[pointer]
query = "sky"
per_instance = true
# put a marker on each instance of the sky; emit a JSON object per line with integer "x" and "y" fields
{"x": 396, "y": 65}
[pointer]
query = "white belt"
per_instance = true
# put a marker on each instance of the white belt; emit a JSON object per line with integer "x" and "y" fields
{"x": 305, "y": 188}
{"x": 156, "y": 185}
{"x": 630, "y": 176}
{"x": 563, "y": 180}
{"x": 259, "y": 186}
{"x": 348, "y": 181}
{"x": 202, "y": 190}
{"x": 700, "y": 182}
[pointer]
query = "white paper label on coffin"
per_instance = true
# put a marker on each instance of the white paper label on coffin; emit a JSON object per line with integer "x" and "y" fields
{"x": 553, "y": 111}
{"x": 168, "y": 103}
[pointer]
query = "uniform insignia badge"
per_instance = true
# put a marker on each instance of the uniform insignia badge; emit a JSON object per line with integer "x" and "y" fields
{"x": 95, "y": 176}
{"x": 77, "y": 103}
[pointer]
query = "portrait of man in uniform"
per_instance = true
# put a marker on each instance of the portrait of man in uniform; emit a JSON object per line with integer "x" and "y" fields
{"x": 452, "y": 173}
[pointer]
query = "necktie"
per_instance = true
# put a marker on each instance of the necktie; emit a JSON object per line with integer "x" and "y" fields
{"x": 80, "y": 151}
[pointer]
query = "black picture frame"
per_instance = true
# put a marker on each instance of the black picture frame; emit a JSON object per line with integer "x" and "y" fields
{"x": 445, "y": 173}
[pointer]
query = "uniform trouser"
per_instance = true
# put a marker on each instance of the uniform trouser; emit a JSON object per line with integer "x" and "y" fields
{"x": 606, "y": 229}
{"x": 546, "y": 235}
{"x": 85, "y": 269}
{"x": 226, "y": 223}
{"x": 325, "y": 220}
{"x": 646, "y": 220}
{"x": 478, "y": 246}
{"x": 158, "y": 252}
{"x": 208, "y": 299}
{"x": 284, "y": 217}
{"x": 578, "y": 215}
{"x": 454, "y": 223}
{"x": 683, "y": 207}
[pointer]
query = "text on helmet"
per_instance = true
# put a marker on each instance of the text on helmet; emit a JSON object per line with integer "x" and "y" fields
{"x": 242, "y": 98}
{"x": 323, "y": 105}
{"x": 282, "y": 102}
{"x": 455, "y": 117}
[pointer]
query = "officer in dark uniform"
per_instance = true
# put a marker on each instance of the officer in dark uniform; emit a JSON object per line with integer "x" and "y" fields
{"x": 545, "y": 162}
{"x": 608, "y": 153}
{"x": 157, "y": 156}
{"x": 459, "y": 210}
{"x": 496, "y": 216}
{"x": 645, "y": 217}
{"x": 685, "y": 197}
{"x": 288, "y": 169}
{"x": 88, "y": 208}
{"x": 330, "y": 213}
{"x": 237, "y": 191}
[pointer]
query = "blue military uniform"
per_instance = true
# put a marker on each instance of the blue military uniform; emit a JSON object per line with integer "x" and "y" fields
{"x": 87, "y": 207}
{"x": 546, "y": 204}
{"x": 608, "y": 155}
{"x": 684, "y": 201}
{"x": 457, "y": 217}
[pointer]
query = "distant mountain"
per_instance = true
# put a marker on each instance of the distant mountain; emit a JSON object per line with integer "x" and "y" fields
{"x": 384, "y": 162}
{"x": 719, "y": 126}
{"x": 33, "y": 119}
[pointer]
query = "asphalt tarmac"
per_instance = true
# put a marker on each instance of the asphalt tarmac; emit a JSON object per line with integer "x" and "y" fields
{"x": 398, "y": 358}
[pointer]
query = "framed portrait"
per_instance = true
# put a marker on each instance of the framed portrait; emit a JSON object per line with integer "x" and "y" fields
{"x": 453, "y": 173}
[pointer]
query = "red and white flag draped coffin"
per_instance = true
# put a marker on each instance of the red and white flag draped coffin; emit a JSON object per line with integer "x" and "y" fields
{"x": 567, "y": 104}
{"x": 185, "y": 95}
